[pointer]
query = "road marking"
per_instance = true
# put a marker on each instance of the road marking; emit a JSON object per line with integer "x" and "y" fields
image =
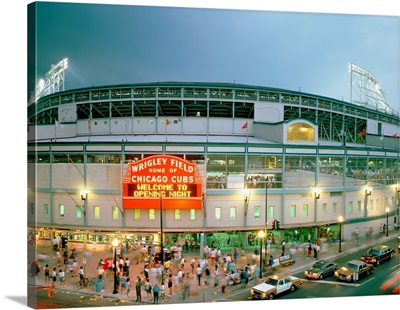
{"x": 329, "y": 282}
{"x": 396, "y": 266}
{"x": 370, "y": 279}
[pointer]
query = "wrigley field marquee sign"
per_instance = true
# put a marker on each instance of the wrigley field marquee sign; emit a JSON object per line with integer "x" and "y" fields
{"x": 165, "y": 179}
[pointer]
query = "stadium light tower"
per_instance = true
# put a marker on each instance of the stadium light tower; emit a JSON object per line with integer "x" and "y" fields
{"x": 54, "y": 79}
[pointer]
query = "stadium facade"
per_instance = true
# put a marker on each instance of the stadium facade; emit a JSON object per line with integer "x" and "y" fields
{"x": 208, "y": 162}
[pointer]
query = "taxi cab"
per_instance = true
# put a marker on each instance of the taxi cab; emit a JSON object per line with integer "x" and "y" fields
{"x": 275, "y": 285}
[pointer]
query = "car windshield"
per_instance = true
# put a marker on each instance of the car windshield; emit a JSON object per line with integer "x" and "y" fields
{"x": 318, "y": 265}
{"x": 351, "y": 266}
{"x": 271, "y": 281}
{"x": 373, "y": 252}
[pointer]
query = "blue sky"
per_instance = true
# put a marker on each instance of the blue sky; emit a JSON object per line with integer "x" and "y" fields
{"x": 113, "y": 44}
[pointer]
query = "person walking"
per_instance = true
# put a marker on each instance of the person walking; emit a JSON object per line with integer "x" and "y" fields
{"x": 61, "y": 276}
{"x": 128, "y": 287}
{"x": 309, "y": 249}
{"x": 47, "y": 274}
{"x": 156, "y": 292}
{"x": 147, "y": 288}
{"x": 199, "y": 272}
{"x": 162, "y": 292}
{"x": 138, "y": 287}
{"x": 122, "y": 280}
{"x": 54, "y": 276}
{"x": 216, "y": 281}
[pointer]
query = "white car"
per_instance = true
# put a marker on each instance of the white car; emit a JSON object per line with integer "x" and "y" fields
{"x": 275, "y": 285}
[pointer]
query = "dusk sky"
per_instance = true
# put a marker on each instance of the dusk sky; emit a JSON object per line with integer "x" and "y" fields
{"x": 115, "y": 44}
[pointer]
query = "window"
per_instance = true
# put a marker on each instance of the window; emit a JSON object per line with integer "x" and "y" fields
{"x": 300, "y": 132}
{"x": 177, "y": 214}
{"x": 377, "y": 203}
{"x": 78, "y": 211}
{"x": 218, "y": 213}
{"x": 350, "y": 207}
{"x": 136, "y": 214}
{"x": 305, "y": 210}
{"x": 114, "y": 213}
{"x": 270, "y": 212}
{"x": 324, "y": 209}
{"x": 96, "y": 212}
{"x": 232, "y": 213}
{"x": 46, "y": 210}
{"x": 371, "y": 204}
{"x": 334, "y": 208}
{"x": 61, "y": 212}
{"x": 358, "y": 207}
{"x": 192, "y": 214}
{"x": 257, "y": 212}
{"x": 293, "y": 210}
{"x": 152, "y": 214}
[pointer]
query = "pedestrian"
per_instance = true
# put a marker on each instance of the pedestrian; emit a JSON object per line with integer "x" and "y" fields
{"x": 54, "y": 276}
{"x": 271, "y": 261}
{"x": 162, "y": 292}
{"x": 47, "y": 274}
{"x": 199, "y": 273}
{"x": 122, "y": 280}
{"x": 61, "y": 275}
{"x": 309, "y": 249}
{"x": 170, "y": 284}
{"x": 317, "y": 249}
{"x": 81, "y": 275}
{"x": 128, "y": 287}
{"x": 216, "y": 281}
{"x": 147, "y": 288}
{"x": 309, "y": 238}
{"x": 138, "y": 287}
{"x": 156, "y": 292}
{"x": 185, "y": 289}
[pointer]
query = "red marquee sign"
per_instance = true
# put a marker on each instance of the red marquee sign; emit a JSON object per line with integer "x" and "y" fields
{"x": 162, "y": 181}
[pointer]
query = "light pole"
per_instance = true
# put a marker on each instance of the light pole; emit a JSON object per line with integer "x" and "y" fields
{"x": 340, "y": 233}
{"x": 261, "y": 235}
{"x": 387, "y": 222}
{"x": 114, "y": 243}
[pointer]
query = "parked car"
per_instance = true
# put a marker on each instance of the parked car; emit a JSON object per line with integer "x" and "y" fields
{"x": 354, "y": 270}
{"x": 321, "y": 269}
{"x": 377, "y": 254}
{"x": 274, "y": 285}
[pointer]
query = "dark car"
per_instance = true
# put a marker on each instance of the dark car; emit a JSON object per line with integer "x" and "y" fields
{"x": 354, "y": 270}
{"x": 377, "y": 254}
{"x": 321, "y": 269}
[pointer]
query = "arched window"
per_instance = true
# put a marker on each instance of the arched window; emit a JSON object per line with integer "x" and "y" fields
{"x": 300, "y": 132}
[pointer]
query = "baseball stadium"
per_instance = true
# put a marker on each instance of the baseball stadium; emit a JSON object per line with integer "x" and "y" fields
{"x": 210, "y": 163}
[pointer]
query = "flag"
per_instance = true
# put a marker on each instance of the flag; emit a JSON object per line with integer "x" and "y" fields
{"x": 168, "y": 122}
{"x": 394, "y": 136}
{"x": 88, "y": 124}
{"x": 58, "y": 124}
{"x": 245, "y": 125}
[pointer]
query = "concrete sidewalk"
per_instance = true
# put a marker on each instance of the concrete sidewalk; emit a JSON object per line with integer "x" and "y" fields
{"x": 198, "y": 293}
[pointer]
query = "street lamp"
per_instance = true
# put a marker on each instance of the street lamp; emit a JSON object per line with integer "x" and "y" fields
{"x": 340, "y": 233}
{"x": 114, "y": 243}
{"x": 387, "y": 222}
{"x": 261, "y": 235}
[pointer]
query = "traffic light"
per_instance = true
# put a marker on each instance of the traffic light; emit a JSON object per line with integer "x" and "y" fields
{"x": 273, "y": 224}
{"x": 277, "y": 224}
